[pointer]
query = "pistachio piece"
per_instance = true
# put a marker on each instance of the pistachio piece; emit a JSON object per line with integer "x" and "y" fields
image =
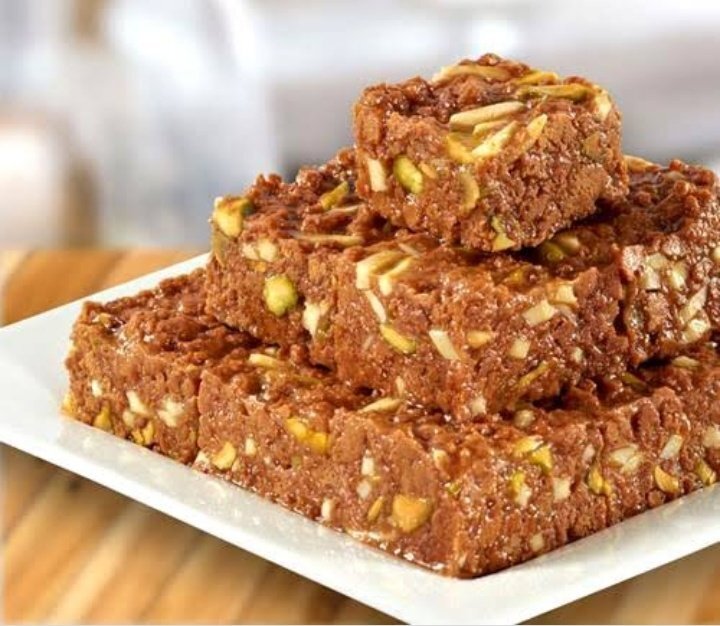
{"x": 225, "y": 457}
{"x": 229, "y": 214}
{"x": 317, "y": 441}
{"x": 280, "y": 294}
{"x": 705, "y": 473}
{"x": 297, "y": 427}
{"x": 539, "y": 313}
{"x": 633, "y": 381}
{"x": 519, "y": 348}
{"x": 568, "y": 91}
{"x": 501, "y": 240}
{"x": 533, "y": 131}
{"x": 666, "y": 482}
{"x": 376, "y": 174}
{"x": 470, "y": 191}
{"x": 443, "y": 344}
{"x": 479, "y": 338}
{"x": 488, "y": 72}
{"x": 525, "y": 445}
{"x": 102, "y": 419}
{"x": 408, "y": 174}
{"x": 466, "y": 120}
{"x": 382, "y": 405}
{"x": 375, "y": 263}
{"x": 410, "y": 513}
{"x": 551, "y": 252}
{"x": 597, "y": 482}
{"x": 519, "y": 488}
{"x": 494, "y": 143}
{"x": 397, "y": 340}
{"x": 542, "y": 457}
{"x": 376, "y": 306}
{"x": 375, "y": 509}
{"x": 532, "y": 375}
{"x": 335, "y": 196}
{"x": 459, "y": 148}
{"x": 537, "y": 76}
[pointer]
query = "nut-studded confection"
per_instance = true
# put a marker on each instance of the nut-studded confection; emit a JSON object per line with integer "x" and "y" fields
{"x": 135, "y": 364}
{"x": 490, "y": 154}
{"x": 474, "y": 334}
{"x": 461, "y": 498}
{"x": 274, "y": 250}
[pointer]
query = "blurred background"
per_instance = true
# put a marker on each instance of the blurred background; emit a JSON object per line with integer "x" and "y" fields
{"x": 120, "y": 120}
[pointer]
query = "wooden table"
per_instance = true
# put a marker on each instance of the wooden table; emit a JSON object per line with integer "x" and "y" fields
{"x": 77, "y": 552}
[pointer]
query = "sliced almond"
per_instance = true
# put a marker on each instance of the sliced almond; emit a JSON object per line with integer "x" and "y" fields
{"x": 466, "y": 120}
{"x": 386, "y": 280}
{"x": 374, "y": 264}
{"x": 376, "y": 306}
{"x": 494, "y": 143}
{"x": 376, "y": 174}
{"x": 488, "y": 72}
{"x": 382, "y": 405}
{"x": 443, "y": 344}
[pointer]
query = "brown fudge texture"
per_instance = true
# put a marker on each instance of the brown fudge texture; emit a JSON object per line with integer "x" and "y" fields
{"x": 471, "y": 333}
{"x": 637, "y": 282}
{"x": 664, "y": 238}
{"x": 274, "y": 249}
{"x": 463, "y": 499}
{"x": 135, "y": 364}
{"x": 490, "y": 154}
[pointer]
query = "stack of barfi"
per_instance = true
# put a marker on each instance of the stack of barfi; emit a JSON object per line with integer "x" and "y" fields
{"x": 479, "y": 334}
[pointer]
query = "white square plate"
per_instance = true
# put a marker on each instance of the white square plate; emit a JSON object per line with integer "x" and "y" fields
{"x": 33, "y": 381}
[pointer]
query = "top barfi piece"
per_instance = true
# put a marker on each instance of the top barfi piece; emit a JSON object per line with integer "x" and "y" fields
{"x": 489, "y": 154}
